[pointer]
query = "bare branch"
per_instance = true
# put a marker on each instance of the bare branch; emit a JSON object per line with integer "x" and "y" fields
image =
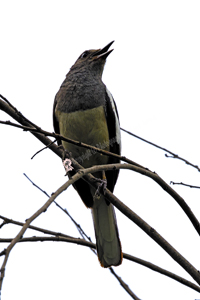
{"x": 91, "y": 245}
{"x": 125, "y": 286}
{"x": 39, "y": 133}
{"x": 63, "y": 238}
{"x": 123, "y": 208}
{"x": 162, "y": 271}
{"x": 147, "y": 173}
{"x": 32, "y": 218}
{"x": 173, "y": 155}
{"x": 20, "y": 115}
{"x": 80, "y": 230}
{"x": 141, "y": 223}
{"x": 59, "y": 152}
{"x": 134, "y": 217}
{"x": 84, "y": 235}
{"x": 43, "y": 148}
{"x": 46, "y": 231}
{"x": 36, "y": 185}
{"x": 58, "y": 238}
{"x": 42, "y": 209}
{"x": 184, "y": 184}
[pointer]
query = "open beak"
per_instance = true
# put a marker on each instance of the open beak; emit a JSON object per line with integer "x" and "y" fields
{"x": 103, "y": 53}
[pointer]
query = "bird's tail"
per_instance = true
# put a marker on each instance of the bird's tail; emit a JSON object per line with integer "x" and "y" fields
{"x": 106, "y": 231}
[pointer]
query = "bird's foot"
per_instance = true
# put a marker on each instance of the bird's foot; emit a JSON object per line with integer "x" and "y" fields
{"x": 67, "y": 163}
{"x": 101, "y": 186}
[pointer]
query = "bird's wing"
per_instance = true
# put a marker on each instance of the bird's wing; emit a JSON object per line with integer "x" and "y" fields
{"x": 55, "y": 122}
{"x": 114, "y": 137}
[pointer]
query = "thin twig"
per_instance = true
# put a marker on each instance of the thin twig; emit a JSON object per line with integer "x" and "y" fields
{"x": 185, "y": 184}
{"x": 46, "y": 147}
{"x": 124, "y": 285}
{"x": 36, "y": 185}
{"x": 46, "y": 231}
{"x": 80, "y": 230}
{"x": 173, "y": 155}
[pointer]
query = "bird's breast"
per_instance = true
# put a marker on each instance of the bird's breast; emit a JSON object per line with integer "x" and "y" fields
{"x": 87, "y": 126}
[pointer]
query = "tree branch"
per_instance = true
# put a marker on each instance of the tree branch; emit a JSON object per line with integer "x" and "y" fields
{"x": 32, "y": 218}
{"x": 6, "y": 252}
{"x": 63, "y": 238}
{"x": 173, "y": 155}
{"x": 60, "y": 137}
{"x": 125, "y": 286}
{"x": 123, "y": 208}
{"x": 46, "y": 231}
{"x": 134, "y": 217}
{"x": 80, "y": 230}
{"x": 39, "y": 133}
{"x": 162, "y": 271}
{"x": 149, "y": 174}
{"x": 59, "y": 152}
{"x": 184, "y": 184}
{"x": 139, "y": 221}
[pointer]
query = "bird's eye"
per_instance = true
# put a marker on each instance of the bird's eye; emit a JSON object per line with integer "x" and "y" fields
{"x": 84, "y": 54}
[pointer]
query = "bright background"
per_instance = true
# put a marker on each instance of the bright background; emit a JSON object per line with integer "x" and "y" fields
{"x": 154, "y": 75}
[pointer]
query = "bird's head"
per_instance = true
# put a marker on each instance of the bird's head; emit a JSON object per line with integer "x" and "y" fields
{"x": 93, "y": 60}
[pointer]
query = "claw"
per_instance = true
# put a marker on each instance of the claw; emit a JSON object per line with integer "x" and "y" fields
{"x": 67, "y": 163}
{"x": 102, "y": 185}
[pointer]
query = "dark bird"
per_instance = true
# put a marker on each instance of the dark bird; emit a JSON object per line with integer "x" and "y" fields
{"x": 84, "y": 110}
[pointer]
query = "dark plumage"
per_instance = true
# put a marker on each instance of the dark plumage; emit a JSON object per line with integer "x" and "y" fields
{"x": 84, "y": 110}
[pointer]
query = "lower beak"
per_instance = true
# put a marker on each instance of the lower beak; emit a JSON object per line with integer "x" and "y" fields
{"x": 103, "y": 53}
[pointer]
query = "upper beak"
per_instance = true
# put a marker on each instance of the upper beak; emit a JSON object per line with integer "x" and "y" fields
{"x": 103, "y": 53}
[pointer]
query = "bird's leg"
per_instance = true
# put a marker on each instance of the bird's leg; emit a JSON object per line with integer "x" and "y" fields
{"x": 102, "y": 184}
{"x": 67, "y": 163}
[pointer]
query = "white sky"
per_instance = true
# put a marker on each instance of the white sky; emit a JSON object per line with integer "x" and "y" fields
{"x": 153, "y": 74}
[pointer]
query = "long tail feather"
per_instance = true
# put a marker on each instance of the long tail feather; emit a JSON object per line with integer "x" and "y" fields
{"x": 106, "y": 231}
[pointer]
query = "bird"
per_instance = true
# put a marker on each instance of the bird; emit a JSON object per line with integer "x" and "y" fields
{"x": 84, "y": 110}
